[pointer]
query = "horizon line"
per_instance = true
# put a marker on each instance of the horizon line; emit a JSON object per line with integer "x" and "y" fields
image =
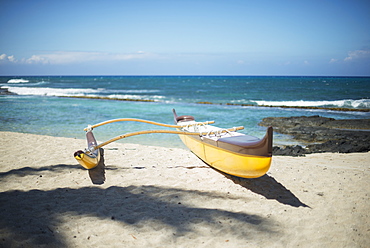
{"x": 175, "y": 75}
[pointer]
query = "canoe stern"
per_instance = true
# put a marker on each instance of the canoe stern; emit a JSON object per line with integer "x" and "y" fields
{"x": 89, "y": 158}
{"x": 241, "y": 165}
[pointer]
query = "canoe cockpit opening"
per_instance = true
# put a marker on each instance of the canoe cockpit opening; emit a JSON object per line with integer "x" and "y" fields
{"x": 184, "y": 118}
{"x": 78, "y": 154}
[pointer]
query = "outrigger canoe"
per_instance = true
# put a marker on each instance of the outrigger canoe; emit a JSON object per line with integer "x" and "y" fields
{"x": 229, "y": 152}
{"x": 223, "y": 149}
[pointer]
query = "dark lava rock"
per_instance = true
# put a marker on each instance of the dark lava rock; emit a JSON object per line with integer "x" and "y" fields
{"x": 291, "y": 122}
{"x": 357, "y": 124}
{"x": 5, "y": 91}
{"x": 325, "y": 134}
{"x": 295, "y": 151}
{"x": 342, "y": 146}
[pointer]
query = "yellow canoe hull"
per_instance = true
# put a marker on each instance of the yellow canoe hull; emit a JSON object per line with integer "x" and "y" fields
{"x": 236, "y": 164}
{"x": 86, "y": 161}
{"x": 91, "y": 160}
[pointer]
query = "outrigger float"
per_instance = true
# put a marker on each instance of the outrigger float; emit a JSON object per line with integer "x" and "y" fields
{"x": 223, "y": 149}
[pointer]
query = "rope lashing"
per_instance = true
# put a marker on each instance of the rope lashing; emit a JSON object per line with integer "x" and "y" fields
{"x": 91, "y": 150}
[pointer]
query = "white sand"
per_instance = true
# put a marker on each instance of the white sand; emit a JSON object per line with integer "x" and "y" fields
{"x": 162, "y": 197}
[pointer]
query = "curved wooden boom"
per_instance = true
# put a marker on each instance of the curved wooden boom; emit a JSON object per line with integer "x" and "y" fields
{"x": 91, "y": 156}
{"x": 164, "y": 131}
{"x": 144, "y": 121}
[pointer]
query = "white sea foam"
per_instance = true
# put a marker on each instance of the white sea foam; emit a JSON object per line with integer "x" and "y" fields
{"x": 347, "y": 103}
{"x": 146, "y": 94}
{"x": 36, "y": 91}
{"x": 17, "y": 81}
{"x": 136, "y": 97}
{"x": 140, "y": 91}
{"x": 118, "y": 92}
{"x": 39, "y": 91}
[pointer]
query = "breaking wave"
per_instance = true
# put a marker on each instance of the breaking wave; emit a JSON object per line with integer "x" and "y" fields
{"x": 144, "y": 94}
{"x": 70, "y": 92}
{"x": 17, "y": 81}
{"x": 35, "y": 91}
{"x": 347, "y": 103}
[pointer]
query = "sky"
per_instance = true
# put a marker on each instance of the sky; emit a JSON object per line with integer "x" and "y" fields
{"x": 185, "y": 37}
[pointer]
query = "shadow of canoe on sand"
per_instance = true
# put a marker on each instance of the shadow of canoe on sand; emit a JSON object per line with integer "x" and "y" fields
{"x": 44, "y": 217}
{"x": 266, "y": 186}
{"x": 270, "y": 188}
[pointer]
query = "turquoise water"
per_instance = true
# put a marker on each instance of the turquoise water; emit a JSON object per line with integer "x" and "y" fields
{"x": 38, "y": 107}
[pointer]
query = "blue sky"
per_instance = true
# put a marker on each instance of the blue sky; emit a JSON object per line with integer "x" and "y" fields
{"x": 219, "y": 37}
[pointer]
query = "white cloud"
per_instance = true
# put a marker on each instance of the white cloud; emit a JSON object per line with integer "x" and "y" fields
{"x": 12, "y": 59}
{"x": 358, "y": 54}
{"x": 36, "y": 59}
{"x": 333, "y": 60}
{"x": 63, "y": 57}
{"x": 6, "y": 58}
{"x": 124, "y": 56}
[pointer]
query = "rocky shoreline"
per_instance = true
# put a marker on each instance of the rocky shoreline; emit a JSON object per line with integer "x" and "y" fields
{"x": 5, "y": 91}
{"x": 321, "y": 134}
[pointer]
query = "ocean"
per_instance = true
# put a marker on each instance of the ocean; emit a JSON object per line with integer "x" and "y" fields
{"x": 64, "y": 105}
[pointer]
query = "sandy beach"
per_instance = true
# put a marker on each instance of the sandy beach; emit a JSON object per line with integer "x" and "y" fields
{"x": 149, "y": 196}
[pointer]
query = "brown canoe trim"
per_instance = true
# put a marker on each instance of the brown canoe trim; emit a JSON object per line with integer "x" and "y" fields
{"x": 182, "y": 118}
{"x": 262, "y": 147}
